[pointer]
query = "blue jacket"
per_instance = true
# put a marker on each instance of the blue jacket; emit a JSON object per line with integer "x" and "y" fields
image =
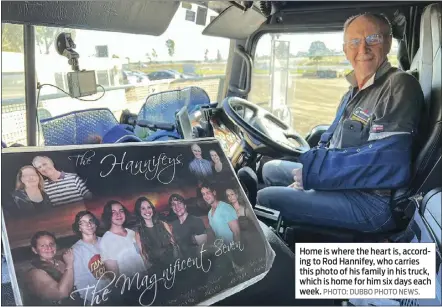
{"x": 381, "y": 164}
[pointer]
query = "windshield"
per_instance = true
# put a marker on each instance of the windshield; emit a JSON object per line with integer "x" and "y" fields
{"x": 130, "y": 68}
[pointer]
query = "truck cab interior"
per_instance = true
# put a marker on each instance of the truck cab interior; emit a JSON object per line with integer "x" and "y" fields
{"x": 271, "y": 105}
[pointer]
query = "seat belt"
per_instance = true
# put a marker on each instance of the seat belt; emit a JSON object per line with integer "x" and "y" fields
{"x": 414, "y": 201}
{"x": 426, "y": 187}
{"x": 326, "y": 136}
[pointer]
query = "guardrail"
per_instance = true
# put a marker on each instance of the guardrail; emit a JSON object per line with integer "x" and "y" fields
{"x": 9, "y": 101}
{"x": 172, "y": 82}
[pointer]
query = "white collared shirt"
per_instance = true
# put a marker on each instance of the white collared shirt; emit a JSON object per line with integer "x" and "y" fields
{"x": 369, "y": 82}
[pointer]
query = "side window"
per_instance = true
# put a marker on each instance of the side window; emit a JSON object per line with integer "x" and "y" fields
{"x": 301, "y": 77}
{"x": 13, "y": 85}
{"x": 162, "y": 75}
{"x": 153, "y": 76}
{"x": 165, "y": 75}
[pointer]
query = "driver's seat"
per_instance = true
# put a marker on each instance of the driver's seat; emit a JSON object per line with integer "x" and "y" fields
{"x": 426, "y": 67}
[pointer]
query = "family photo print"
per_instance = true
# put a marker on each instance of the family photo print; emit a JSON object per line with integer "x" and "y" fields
{"x": 138, "y": 224}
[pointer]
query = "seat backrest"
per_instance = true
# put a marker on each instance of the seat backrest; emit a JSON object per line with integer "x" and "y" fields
{"x": 426, "y": 66}
{"x": 76, "y": 128}
{"x": 162, "y": 107}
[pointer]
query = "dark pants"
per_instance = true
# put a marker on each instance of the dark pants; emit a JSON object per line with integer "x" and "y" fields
{"x": 352, "y": 209}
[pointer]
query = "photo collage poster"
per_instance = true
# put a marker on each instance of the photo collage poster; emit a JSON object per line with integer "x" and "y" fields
{"x": 128, "y": 224}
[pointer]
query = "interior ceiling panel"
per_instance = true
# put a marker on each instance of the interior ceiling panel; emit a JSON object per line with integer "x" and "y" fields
{"x": 301, "y": 16}
{"x": 129, "y": 16}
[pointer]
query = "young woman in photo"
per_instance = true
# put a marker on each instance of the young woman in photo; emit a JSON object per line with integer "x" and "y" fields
{"x": 235, "y": 200}
{"x": 29, "y": 195}
{"x": 154, "y": 237}
{"x": 51, "y": 281}
{"x": 217, "y": 166}
{"x": 118, "y": 247}
{"x": 250, "y": 237}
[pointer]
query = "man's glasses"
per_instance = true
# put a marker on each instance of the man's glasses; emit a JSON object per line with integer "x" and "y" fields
{"x": 370, "y": 40}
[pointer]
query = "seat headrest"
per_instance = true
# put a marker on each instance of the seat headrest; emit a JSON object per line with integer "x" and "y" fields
{"x": 414, "y": 67}
{"x": 429, "y": 45}
{"x": 430, "y": 32}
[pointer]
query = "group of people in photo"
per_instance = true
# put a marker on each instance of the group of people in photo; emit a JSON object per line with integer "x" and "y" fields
{"x": 149, "y": 244}
{"x": 202, "y": 168}
{"x": 217, "y": 172}
{"x": 40, "y": 186}
{"x": 122, "y": 241}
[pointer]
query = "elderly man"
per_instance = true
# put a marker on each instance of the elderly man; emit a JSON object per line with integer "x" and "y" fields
{"x": 62, "y": 188}
{"x": 200, "y": 167}
{"x": 346, "y": 181}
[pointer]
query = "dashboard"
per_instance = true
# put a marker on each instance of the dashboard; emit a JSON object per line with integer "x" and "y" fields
{"x": 230, "y": 142}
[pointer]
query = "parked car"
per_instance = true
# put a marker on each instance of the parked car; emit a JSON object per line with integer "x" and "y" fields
{"x": 134, "y": 77}
{"x": 167, "y": 74}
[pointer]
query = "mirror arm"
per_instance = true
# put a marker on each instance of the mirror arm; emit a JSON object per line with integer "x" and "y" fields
{"x": 249, "y": 62}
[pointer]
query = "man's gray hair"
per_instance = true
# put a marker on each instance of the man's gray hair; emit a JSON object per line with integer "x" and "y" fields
{"x": 385, "y": 24}
{"x": 41, "y": 157}
{"x": 194, "y": 145}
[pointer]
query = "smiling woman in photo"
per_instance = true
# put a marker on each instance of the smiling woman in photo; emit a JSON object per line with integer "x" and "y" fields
{"x": 233, "y": 196}
{"x": 217, "y": 166}
{"x": 154, "y": 237}
{"x": 118, "y": 247}
{"x": 29, "y": 195}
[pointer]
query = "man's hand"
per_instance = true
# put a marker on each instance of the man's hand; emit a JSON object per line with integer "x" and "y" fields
{"x": 297, "y": 177}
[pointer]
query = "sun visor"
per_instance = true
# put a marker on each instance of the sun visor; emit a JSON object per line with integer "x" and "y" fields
{"x": 127, "y": 16}
{"x": 235, "y": 23}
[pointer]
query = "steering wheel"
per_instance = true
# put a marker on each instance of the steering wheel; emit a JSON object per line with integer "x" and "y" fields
{"x": 264, "y": 127}
{"x": 128, "y": 139}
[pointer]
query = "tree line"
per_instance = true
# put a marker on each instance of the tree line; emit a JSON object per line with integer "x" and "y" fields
{"x": 12, "y": 37}
{"x": 12, "y": 41}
